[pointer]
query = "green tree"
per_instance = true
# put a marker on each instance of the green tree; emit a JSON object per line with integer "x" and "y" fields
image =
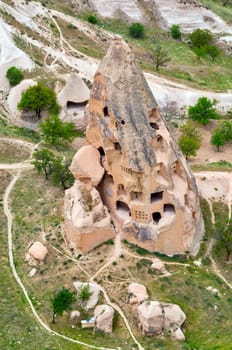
{"x": 190, "y": 130}
{"x": 175, "y": 31}
{"x": 188, "y": 146}
{"x": 55, "y": 131}
{"x": 61, "y": 302}
{"x": 92, "y": 19}
{"x": 226, "y": 129}
{"x": 203, "y": 111}
{"x": 84, "y": 294}
{"x": 43, "y": 161}
{"x": 14, "y": 75}
{"x": 201, "y": 38}
{"x": 217, "y": 138}
{"x": 61, "y": 175}
{"x": 160, "y": 57}
{"x": 38, "y": 98}
{"x": 212, "y": 51}
{"x": 136, "y": 30}
{"x": 223, "y": 233}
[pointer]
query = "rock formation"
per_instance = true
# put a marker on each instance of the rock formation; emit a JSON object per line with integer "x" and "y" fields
{"x": 147, "y": 185}
{"x": 104, "y": 315}
{"x": 138, "y": 293}
{"x": 37, "y": 251}
{"x": 156, "y": 317}
{"x": 94, "y": 289}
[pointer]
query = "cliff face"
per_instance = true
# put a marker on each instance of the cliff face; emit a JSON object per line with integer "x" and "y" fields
{"x": 147, "y": 186}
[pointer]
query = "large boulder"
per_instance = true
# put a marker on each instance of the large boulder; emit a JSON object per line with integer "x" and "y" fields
{"x": 86, "y": 165}
{"x": 38, "y": 251}
{"x": 16, "y": 93}
{"x": 138, "y": 292}
{"x": 94, "y": 290}
{"x": 156, "y": 317}
{"x": 104, "y": 315}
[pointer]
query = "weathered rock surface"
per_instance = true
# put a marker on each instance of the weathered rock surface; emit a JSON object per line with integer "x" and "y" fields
{"x": 158, "y": 265}
{"x": 38, "y": 251}
{"x": 74, "y": 315}
{"x": 86, "y": 165}
{"x": 138, "y": 293}
{"x": 148, "y": 186}
{"x": 94, "y": 290}
{"x": 16, "y": 92}
{"x": 87, "y": 220}
{"x": 104, "y": 315}
{"x": 156, "y": 317}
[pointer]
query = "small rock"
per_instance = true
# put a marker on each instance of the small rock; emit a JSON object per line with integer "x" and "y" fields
{"x": 74, "y": 315}
{"x": 38, "y": 251}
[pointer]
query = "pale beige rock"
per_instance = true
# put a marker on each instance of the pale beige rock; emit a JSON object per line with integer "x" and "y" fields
{"x": 139, "y": 293}
{"x": 94, "y": 289}
{"x": 16, "y": 92}
{"x": 178, "y": 334}
{"x": 74, "y": 315}
{"x": 86, "y": 165}
{"x": 32, "y": 272}
{"x": 75, "y": 91}
{"x": 104, "y": 315}
{"x": 38, "y": 251}
{"x": 174, "y": 316}
{"x": 158, "y": 265}
{"x": 87, "y": 220}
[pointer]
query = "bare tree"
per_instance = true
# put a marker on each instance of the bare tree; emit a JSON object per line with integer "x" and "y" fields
{"x": 160, "y": 57}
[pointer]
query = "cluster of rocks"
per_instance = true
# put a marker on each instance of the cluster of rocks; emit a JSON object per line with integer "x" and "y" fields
{"x": 156, "y": 317}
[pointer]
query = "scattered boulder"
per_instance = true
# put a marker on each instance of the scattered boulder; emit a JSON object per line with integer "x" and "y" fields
{"x": 38, "y": 251}
{"x": 104, "y": 315}
{"x": 138, "y": 293}
{"x": 158, "y": 265}
{"x": 156, "y": 317}
{"x": 32, "y": 272}
{"x": 86, "y": 165}
{"x": 214, "y": 291}
{"x": 74, "y": 315}
{"x": 94, "y": 290}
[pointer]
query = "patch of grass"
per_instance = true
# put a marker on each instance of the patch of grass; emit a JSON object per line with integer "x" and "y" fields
{"x": 225, "y": 12}
{"x": 15, "y": 131}
{"x": 221, "y": 165}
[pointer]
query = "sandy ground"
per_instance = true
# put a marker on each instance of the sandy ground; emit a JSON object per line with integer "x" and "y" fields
{"x": 190, "y": 17}
{"x": 107, "y": 8}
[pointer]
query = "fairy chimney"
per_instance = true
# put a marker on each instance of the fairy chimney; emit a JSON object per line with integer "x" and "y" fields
{"x": 147, "y": 185}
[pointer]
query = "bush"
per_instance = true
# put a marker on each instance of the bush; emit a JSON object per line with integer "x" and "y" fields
{"x": 136, "y": 30}
{"x": 201, "y": 38}
{"x": 14, "y": 75}
{"x": 92, "y": 19}
{"x": 175, "y": 31}
{"x": 203, "y": 110}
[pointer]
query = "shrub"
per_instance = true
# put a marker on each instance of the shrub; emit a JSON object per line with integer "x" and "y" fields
{"x": 175, "y": 31}
{"x": 136, "y": 30}
{"x": 14, "y": 75}
{"x": 92, "y": 19}
{"x": 203, "y": 110}
{"x": 201, "y": 38}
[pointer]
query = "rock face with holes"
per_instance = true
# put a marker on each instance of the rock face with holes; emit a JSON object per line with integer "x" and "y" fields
{"x": 156, "y": 317}
{"x": 145, "y": 183}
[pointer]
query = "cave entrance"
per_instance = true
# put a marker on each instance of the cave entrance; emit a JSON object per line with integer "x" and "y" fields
{"x": 123, "y": 210}
{"x": 156, "y": 217}
{"x": 76, "y": 105}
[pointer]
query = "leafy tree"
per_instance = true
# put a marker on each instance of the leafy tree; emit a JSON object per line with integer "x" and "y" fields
{"x": 14, "y": 75}
{"x": 160, "y": 57}
{"x": 38, "y": 98}
{"x": 213, "y": 51}
{"x": 201, "y": 38}
{"x": 61, "y": 174}
{"x": 217, "y": 138}
{"x": 190, "y": 130}
{"x": 84, "y": 294}
{"x": 223, "y": 233}
{"x": 55, "y": 131}
{"x": 136, "y": 30}
{"x": 43, "y": 161}
{"x": 226, "y": 129}
{"x": 61, "y": 302}
{"x": 175, "y": 31}
{"x": 188, "y": 145}
{"x": 203, "y": 110}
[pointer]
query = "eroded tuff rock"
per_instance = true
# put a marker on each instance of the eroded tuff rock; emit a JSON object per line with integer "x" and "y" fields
{"x": 156, "y": 317}
{"x": 94, "y": 289}
{"x": 37, "y": 251}
{"x": 104, "y": 315}
{"x": 87, "y": 220}
{"x": 138, "y": 293}
{"x": 148, "y": 186}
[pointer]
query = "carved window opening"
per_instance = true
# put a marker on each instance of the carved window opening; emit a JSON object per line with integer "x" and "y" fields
{"x": 109, "y": 178}
{"x": 136, "y": 195}
{"x": 169, "y": 208}
{"x": 121, "y": 189}
{"x": 154, "y": 126}
{"x": 159, "y": 138}
{"x": 194, "y": 215}
{"x": 123, "y": 209}
{"x": 156, "y": 196}
{"x": 101, "y": 151}
{"x": 153, "y": 115}
{"x": 117, "y": 146}
{"x": 105, "y": 111}
{"x": 141, "y": 215}
{"x": 176, "y": 168}
{"x": 126, "y": 170}
{"x": 123, "y": 122}
{"x": 186, "y": 199}
{"x": 156, "y": 217}
{"x": 73, "y": 105}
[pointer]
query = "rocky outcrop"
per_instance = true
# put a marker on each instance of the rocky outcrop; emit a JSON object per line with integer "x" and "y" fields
{"x": 38, "y": 251}
{"x": 156, "y": 317}
{"x": 158, "y": 265}
{"x": 148, "y": 186}
{"x": 104, "y": 315}
{"x": 87, "y": 220}
{"x": 138, "y": 293}
{"x": 94, "y": 289}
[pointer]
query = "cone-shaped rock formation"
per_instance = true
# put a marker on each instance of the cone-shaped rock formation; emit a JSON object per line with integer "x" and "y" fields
{"x": 147, "y": 186}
